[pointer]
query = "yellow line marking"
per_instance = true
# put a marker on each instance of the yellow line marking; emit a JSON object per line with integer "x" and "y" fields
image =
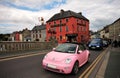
{"x": 90, "y": 71}
{"x": 92, "y": 66}
{"x": 22, "y": 56}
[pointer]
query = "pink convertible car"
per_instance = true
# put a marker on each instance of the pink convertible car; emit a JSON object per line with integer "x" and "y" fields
{"x": 66, "y": 58}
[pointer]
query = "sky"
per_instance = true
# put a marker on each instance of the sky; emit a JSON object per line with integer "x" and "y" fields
{"x": 16, "y": 15}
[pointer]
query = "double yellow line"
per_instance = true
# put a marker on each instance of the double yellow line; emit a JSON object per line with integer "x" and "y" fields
{"x": 89, "y": 70}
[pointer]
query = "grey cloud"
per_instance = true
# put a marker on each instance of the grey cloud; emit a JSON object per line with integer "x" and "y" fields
{"x": 99, "y": 12}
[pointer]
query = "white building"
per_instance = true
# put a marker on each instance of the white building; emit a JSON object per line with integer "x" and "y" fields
{"x": 38, "y": 33}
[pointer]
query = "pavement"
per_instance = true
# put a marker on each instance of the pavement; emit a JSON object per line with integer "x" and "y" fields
{"x": 110, "y": 67}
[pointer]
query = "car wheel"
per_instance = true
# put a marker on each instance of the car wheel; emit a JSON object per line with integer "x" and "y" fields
{"x": 75, "y": 68}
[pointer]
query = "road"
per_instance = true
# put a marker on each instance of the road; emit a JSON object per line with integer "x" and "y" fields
{"x": 31, "y": 67}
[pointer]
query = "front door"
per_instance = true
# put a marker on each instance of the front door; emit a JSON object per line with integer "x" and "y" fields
{"x": 71, "y": 37}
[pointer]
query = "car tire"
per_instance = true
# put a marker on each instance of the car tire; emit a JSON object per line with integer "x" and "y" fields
{"x": 75, "y": 68}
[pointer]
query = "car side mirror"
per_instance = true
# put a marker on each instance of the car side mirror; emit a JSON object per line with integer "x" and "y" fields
{"x": 54, "y": 49}
{"x": 80, "y": 51}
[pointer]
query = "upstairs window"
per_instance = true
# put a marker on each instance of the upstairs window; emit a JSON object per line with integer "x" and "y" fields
{"x": 39, "y": 35}
{"x": 60, "y": 28}
{"x": 67, "y": 20}
{"x": 54, "y": 23}
{"x": 60, "y": 38}
{"x": 66, "y": 28}
{"x": 77, "y": 20}
{"x": 60, "y": 21}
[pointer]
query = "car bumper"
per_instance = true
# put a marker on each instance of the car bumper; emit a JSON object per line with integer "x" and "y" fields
{"x": 57, "y": 67}
{"x": 94, "y": 47}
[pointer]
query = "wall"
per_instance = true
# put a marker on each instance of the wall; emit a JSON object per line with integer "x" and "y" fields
{"x": 75, "y": 26}
{"x": 43, "y": 35}
{"x": 114, "y": 30}
{"x": 21, "y": 46}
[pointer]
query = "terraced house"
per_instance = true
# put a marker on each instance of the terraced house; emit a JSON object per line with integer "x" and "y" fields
{"x": 38, "y": 33}
{"x": 67, "y": 26}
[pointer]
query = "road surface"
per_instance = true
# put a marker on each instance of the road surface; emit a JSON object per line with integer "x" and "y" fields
{"x": 31, "y": 67}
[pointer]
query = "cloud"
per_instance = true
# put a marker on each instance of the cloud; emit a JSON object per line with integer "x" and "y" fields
{"x": 20, "y": 14}
{"x": 34, "y": 5}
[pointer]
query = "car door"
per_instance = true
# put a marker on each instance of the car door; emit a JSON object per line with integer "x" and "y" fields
{"x": 81, "y": 55}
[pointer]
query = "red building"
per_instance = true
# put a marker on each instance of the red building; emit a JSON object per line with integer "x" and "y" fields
{"x": 67, "y": 26}
{"x": 17, "y": 36}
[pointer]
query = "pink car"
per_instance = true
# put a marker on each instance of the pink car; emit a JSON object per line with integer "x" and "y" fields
{"x": 66, "y": 58}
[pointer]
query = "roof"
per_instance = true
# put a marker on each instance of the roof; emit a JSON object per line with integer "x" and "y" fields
{"x": 66, "y": 14}
{"x": 117, "y": 20}
{"x": 39, "y": 27}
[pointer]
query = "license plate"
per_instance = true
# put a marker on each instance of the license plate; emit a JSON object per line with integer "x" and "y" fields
{"x": 51, "y": 66}
{"x": 93, "y": 47}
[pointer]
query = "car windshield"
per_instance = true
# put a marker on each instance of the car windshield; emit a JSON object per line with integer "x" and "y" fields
{"x": 66, "y": 48}
{"x": 95, "y": 41}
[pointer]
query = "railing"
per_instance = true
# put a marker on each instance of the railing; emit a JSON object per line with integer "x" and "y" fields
{"x": 21, "y": 46}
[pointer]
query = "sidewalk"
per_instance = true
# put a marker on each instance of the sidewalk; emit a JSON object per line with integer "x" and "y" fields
{"x": 110, "y": 67}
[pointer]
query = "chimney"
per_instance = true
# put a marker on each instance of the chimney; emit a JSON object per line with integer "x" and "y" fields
{"x": 61, "y": 11}
{"x": 80, "y": 13}
{"x": 42, "y": 20}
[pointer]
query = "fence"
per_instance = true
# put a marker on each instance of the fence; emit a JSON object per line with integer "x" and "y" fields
{"x": 21, "y": 46}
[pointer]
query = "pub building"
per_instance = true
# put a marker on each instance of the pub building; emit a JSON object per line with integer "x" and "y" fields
{"x": 67, "y": 26}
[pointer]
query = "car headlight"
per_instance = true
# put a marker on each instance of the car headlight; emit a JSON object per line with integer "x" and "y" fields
{"x": 45, "y": 56}
{"x": 98, "y": 46}
{"x": 89, "y": 45}
{"x": 68, "y": 60}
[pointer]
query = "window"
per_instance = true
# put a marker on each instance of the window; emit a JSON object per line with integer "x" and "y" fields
{"x": 60, "y": 38}
{"x": 40, "y": 36}
{"x": 36, "y": 35}
{"x": 54, "y": 28}
{"x": 36, "y": 31}
{"x": 33, "y": 36}
{"x": 81, "y": 47}
{"x": 60, "y": 29}
{"x": 54, "y": 23}
{"x": 66, "y": 28}
{"x": 67, "y": 20}
{"x": 66, "y": 48}
{"x": 60, "y": 21}
{"x": 77, "y": 20}
{"x": 77, "y": 27}
{"x": 81, "y": 21}
{"x": 81, "y": 28}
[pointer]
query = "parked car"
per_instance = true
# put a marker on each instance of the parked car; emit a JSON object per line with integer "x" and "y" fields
{"x": 105, "y": 43}
{"x": 96, "y": 43}
{"x": 66, "y": 58}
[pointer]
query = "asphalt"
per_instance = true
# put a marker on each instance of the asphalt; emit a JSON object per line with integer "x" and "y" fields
{"x": 110, "y": 67}
{"x": 31, "y": 67}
